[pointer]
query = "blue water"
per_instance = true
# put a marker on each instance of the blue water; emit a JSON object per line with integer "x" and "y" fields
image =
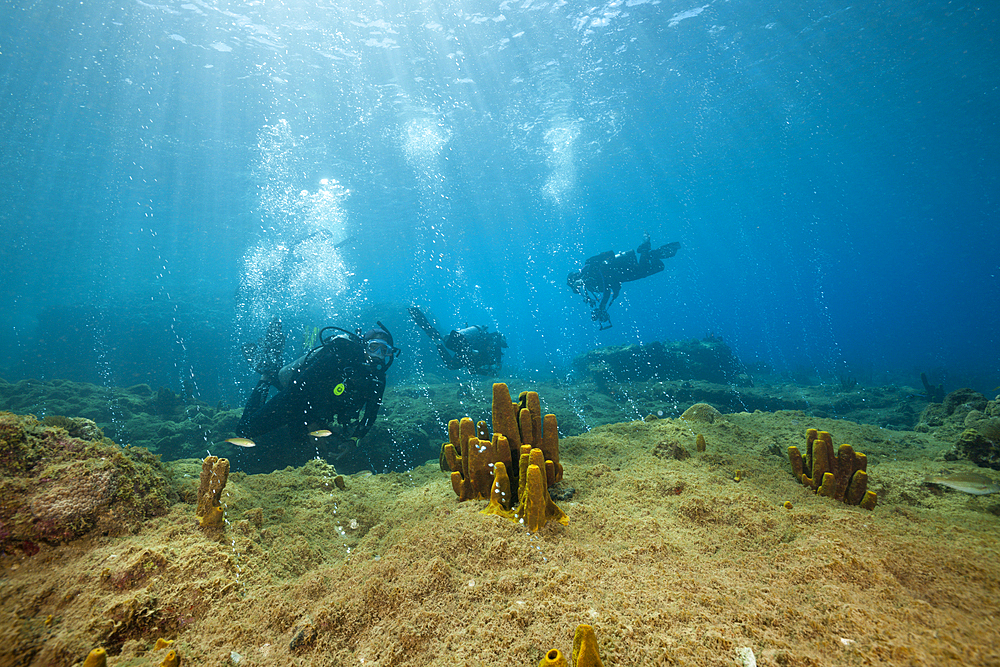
{"x": 830, "y": 169}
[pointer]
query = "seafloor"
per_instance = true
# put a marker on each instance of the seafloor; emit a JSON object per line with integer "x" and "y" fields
{"x": 670, "y": 558}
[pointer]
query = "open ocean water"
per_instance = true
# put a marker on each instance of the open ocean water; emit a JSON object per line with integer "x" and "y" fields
{"x": 175, "y": 174}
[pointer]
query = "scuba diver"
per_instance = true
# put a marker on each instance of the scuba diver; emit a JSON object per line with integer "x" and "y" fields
{"x": 604, "y": 274}
{"x": 473, "y": 347}
{"x": 340, "y": 380}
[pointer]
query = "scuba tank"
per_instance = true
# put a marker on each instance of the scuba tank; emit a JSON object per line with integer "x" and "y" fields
{"x": 289, "y": 371}
{"x": 462, "y": 339}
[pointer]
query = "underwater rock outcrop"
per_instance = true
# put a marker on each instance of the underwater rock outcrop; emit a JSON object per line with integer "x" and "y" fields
{"x": 478, "y": 461}
{"x": 980, "y": 439}
{"x": 702, "y": 412}
{"x": 954, "y": 407}
{"x": 61, "y": 479}
{"x": 169, "y": 424}
{"x": 843, "y": 476}
{"x": 710, "y": 360}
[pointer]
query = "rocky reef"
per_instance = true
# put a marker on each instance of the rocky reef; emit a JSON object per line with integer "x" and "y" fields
{"x": 178, "y": 425}
{"x": 979, "y": 441}
{"x": 710, "y": 360}
{"x": 671, "y": 560}
{"x": 414, "y": 417}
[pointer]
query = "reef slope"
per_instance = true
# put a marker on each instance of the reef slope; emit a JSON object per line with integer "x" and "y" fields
{"x": 670, "y": 559}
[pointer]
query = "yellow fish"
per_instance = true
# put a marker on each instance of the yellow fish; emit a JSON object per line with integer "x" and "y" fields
{"x": 967, "y": 482}
{"x": 241, "y": 442}
{"x": 322, "y": 433}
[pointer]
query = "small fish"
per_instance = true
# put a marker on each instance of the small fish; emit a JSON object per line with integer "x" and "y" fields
{"x": 967, "y": 482}
{"x": 241, "y": 442}
{"x": 322, "y": 433}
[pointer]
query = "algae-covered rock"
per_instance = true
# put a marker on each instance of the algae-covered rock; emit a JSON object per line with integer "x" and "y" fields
{"x": 57, "y": 487}
{"x": 710, "y": 360}
{"x": 172, "y": 425}
{"x": 976, "y": 447}
{"x": 702, "y": 412}
{"x": 968, "y": 398}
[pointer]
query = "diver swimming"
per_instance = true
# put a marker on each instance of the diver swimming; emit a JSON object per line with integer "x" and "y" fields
{"x": 472, "y": 347}
{"x": 604, "y": 274}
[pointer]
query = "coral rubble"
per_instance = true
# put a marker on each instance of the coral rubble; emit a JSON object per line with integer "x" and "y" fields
{"x": 842, "y": 476}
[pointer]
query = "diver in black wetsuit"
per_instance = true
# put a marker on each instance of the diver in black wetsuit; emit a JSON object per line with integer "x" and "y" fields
{"x": 604, "y": 274}
{"x": 475, "y": 348}
{"x": 338, "y": 385}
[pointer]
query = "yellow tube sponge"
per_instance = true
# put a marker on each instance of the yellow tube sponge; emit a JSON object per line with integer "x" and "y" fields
{"x": 820, "y": 456}
{"x": 531, "y": 401}
{"x": 466, "y": 431}
{"x": 451, "y": 458}
{"x": 480, "y": 471}
{"x": 473, "y": 472}
{"x": 500, "y": 497}
{"x": 451, "y": 455}
{"x": 553, "y": 658}
{"x": 535, "y": 507}
{"x": 481, "y": 464}
{"x": 172, "y": 659}
{"x": 501, "y": 449}
{"x": 869, "y": 501}
{"x": 550, "y": 447}
{"x": 858, "y": 488}
{"x": 505, "y": 416}
{"x": 96, "y": 658}
{"x": 214, "y": 475}
{"x": 527, "y": 431}
{"x": 585, "y": 652}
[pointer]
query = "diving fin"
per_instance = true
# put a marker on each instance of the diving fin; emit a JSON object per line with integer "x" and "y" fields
{"x": 424, "y": 323}
{"x": 666, "y": 251}
{"x": 267, "y": 353}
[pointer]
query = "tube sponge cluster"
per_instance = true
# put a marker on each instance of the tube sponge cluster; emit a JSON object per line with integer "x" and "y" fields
{"x": 843, "y": 476}
{"x": 522, "y": 437}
